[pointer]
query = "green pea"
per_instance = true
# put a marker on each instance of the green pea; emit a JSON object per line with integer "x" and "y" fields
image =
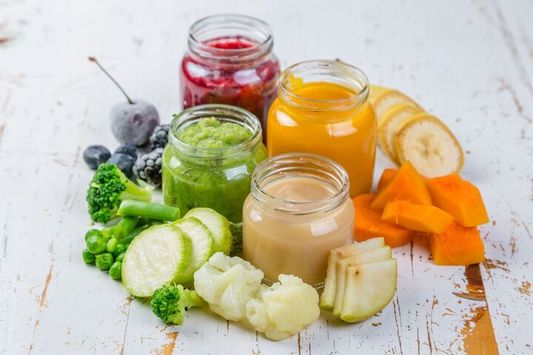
{"x": 120, "y": 257}
{"x": 111, "y": 245}
{"x": 96, "y": 244}
{"x": 116, "y": 270}
{"x": 104, "y": 261}
{"x": 88, "y": 258}
{"x": 121, "y": 248}
{"x": 90, "y": 232}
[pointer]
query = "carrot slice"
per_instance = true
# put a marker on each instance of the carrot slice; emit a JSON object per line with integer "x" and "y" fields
{"x": 419, "y": 218}
{"x": 368, "y": 224}
{"x": 459, "y": 198}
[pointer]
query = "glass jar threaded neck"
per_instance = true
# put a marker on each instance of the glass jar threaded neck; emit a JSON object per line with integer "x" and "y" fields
{"x": 254, "y": 36}
{"x": 224, "y": 113}
{"x": 301, "y": 165}
{"x": 323, "y": 71}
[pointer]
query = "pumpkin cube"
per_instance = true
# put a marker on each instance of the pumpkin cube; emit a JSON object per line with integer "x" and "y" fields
{"x": 368, "y": 224}
{"x": 385, "y": 177}
{"x": 457, "y": 245}
{"x": 459, "y": 198}
{"x": 405, "y": 185}
{"x": 421, "y": 218}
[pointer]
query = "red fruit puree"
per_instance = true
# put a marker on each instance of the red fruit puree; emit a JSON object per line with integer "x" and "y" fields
{"x": 247, "y": 84}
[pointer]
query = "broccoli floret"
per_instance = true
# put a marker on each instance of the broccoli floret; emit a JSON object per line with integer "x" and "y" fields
{"x": 107, "y": 190}
{"x": 170, "y": 303}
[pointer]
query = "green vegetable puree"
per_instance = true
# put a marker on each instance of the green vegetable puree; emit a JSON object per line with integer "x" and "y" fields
{"x": 211, "y": 133}
{"x": 221, "y": 183}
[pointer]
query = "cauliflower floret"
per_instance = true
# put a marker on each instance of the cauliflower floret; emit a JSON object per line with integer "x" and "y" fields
{"x": 284, "y": 309}
{"x": 227, "y": 284}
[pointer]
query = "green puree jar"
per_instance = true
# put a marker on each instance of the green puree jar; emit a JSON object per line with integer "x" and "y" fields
{"x": 212, "y": 152}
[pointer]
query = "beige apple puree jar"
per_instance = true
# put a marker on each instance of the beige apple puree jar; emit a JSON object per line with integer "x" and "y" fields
{"x": 299, "y": 208}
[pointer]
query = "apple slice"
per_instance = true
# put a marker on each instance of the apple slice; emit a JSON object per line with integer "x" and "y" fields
{"x": 328, "y": 295}
{"x": 369, "y": 288}
{"x": 379, "y": 254}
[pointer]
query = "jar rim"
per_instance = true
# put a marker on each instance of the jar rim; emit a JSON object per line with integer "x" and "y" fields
{"x": 282, "y": 164}
{"x": 222, "y": 112}
{"x": 352, "y": 77}
{"x": 248, "y": 27}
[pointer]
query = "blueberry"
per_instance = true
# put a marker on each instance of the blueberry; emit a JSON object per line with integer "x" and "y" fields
{"x": 127, "y": 148}
{"x": 95, "y": 155}
{"x": 124, "y": 162}
{"x": 134, "y": 122}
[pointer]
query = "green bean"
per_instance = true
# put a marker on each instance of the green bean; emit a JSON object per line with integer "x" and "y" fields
{"x": 124, "y": 227}
{"x": 126, "y": 241}
{"x": 149, "y": 210}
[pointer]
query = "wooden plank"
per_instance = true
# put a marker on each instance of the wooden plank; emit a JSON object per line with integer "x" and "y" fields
{"x": 507, "y": 271}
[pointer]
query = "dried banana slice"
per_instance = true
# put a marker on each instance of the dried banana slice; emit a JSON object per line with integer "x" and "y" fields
{"x": 376, "y": 91}
{"x": 430, "y": 146}
{"x": 393, "y": 120}
{"x": 388, "y": 99}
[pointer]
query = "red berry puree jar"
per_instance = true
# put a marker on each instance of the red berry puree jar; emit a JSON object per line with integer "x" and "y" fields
{"x": 230, "y": 61}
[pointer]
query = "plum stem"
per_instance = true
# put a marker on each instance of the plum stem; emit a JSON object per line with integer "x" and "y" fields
{"x": 94, "y": 60}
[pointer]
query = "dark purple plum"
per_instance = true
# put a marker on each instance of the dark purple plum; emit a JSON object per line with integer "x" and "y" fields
{"x": 131, "y": 121}
{"x": 134, "y": 122}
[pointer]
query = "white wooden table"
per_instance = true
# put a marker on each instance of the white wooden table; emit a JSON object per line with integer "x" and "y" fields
{"x": 469, "y": 63}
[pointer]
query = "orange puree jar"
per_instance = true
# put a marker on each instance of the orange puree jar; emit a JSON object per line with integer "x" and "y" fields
{"x": 322, "y": 108}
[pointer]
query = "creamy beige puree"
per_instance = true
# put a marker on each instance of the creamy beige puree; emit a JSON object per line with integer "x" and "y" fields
{"x": 297, "y": 243}
{"x": 300, "y": 189}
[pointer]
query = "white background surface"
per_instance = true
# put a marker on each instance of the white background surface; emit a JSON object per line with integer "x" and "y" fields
{"x": 468, "y": 62}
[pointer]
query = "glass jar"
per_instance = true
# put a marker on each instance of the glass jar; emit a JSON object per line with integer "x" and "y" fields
{"x": 322, "y": 108}
{"x": 230, "y": 61}
{"x": 218, "y": 178}
{"x": 298, "y": 210}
